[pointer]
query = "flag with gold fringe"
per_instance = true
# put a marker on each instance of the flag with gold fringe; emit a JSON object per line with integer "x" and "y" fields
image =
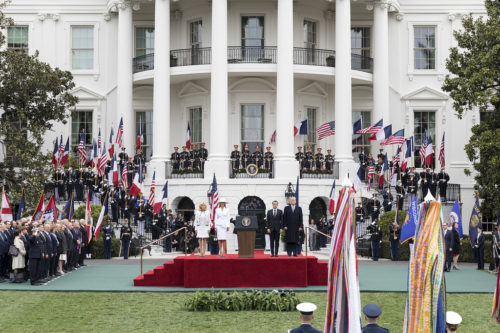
{"x": 426, "y": 298}
{"x": 495, "y": 311}
{"x": 343, "y": 308}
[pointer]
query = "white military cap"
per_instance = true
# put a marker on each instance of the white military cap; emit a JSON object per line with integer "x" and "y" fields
{"x": 306, "y": 308}
{"x": 453, "y": 318}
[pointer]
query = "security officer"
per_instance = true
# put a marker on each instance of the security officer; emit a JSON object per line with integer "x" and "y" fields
{"x": 268, "y": 159}
{"x": 175, "y": 158}
{"x": 184, "y": 159}
{"x": 257, "y": 157}
{"x": 306, "y": 316}
{"x": 372, "y": 315}
{"x": 453, "y": 319}
{"x": 107, "y": 235}
{"x": 443, "y": 179}
{"x": 125, "y": 236}
{"x": 246, "y": 157}
{"x": 309, "y": 159}
{"x": 235, "y": 158}
{"x": 319, "y": 159}
{"x": 299, "y": 156}
{"x": 329, "y": 159}
{"x": 202, "y": 155}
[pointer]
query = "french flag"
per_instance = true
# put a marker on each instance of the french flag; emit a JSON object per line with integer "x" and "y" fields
{"x": 331, "y": 206}
{"x": 385, "y": 167}
{"x": 188, "y": 137}
{"x": 135, "y": 189}
{"x": 159, "y": 199}
{"x": 382, "y": 134}
{"x": 113, "y": 173}
{"x": 300, "y": 128}
{"x": 111, "y": 149}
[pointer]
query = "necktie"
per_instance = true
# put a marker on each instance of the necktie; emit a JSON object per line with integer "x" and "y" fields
{"x": 274, "y": 212}
{"x": 293, "y": 209}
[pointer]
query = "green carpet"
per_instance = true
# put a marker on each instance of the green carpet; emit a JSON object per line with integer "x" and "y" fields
{"x": 375, "y": 278}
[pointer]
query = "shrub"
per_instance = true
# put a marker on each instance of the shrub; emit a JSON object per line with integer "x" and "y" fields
{"x": 98, "y": 248}
{"x": 387, "y": 219}
{"x": 80, "y": 212}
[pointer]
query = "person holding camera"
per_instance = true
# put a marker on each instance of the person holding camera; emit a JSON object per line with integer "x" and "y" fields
{"x": 376, "y": 237}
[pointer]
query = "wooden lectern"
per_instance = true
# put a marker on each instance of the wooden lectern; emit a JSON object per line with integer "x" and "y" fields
{"x": 245, "y": 227}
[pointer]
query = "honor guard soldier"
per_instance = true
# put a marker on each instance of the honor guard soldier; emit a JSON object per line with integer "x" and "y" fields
{"x": 202, "y": 155}
{"x": 184, "y": 158}
{"x": 309, "y": 159}
{"x": 411, "y": 186}
{"x": 175, "y": 158}
{"x": 107, "y": 234}
{"x": 257, "y": 157}
{"x": 443, "y": 179}
{"x": 400, "y": 194}
{"x": 268, "y": 159}
{"x": 329, "y": 159}
{"x": 372, "y": 315}
{"x": 235, "y": 158}
{"x": 388, "y": 198}
{"x": 130, "y": 170}
{"x": 306, "y": 316}
{"x": 434, "y": 184}
{"x": 115, "y": 203}
{"x": 374, "y": 207}
{"x": 123, "y": 156}
{"x": 125, "y": 236}
{"x": 246, "y": 157}
{"x": 299, "y": 156}
{"x": 193, "y": 158}
{"x": 363, "y": 160}
{"x": 319, "y": 159}
{"x": 453, "y": 319}
{"x": 426, "y": 179}
{"x": 360, "y": 218}
{"x": 381, "y": 155}
{"x": 139, "y": 161}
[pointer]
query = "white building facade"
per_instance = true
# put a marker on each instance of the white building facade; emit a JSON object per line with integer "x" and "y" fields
{"x": 238, "y": 70}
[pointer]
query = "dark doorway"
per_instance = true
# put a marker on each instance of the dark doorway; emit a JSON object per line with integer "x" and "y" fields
{"x": 317, "y": 209}
{"x": 254, "y": 206}
{"x": 186, "y": 208}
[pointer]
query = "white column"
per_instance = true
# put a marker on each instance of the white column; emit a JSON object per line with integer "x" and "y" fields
{"x": 218, "y": 151}
{"x": 343, "y": 92}
{"x": 286, "y": 166}
{"x": 124, "y": 94}
{"x": 161, "y": 98}
{"x": 381, "y": 107}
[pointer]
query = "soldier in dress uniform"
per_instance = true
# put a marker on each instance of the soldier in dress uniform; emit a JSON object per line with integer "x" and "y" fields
{"x": 235, "y": 158}
{"x": 184, "y": 158}
{"x": 202, "y": 155}
{"x": 79, "y": 184}
{"x": 268, "y": 159}
{"x": 139, "y": 161}
{"x": 115, "y": 204}
{"x": 125, "y": 236}
{"x": 257, "y": 157}
{"x": 411, "y": 186}
{"x": 246, "y": 157}
{"x": 443, "y": 179}
{"x": 363, "y": 160}
{"x": 388, "y": 198}
{"x": 130, "y": 170}
{"x": 329, "y": 159}
{"x": 360, "y": 218}
{"x": 309, "y": 159}
{"x": 175, "y": 158}
{"x": 123, "y": 156}
{"x": 107, "y": 234}
{"x": 400, "y": 194}
{"x": 319, "y": 159}
{"x": 374, "y": 207}
{"x": 193, "y": 158}
{"x": 426, "y": 179}
{"x": 306, "y": 316}
{"x": 372, "y": 315}
{"x": 299, "y": 156}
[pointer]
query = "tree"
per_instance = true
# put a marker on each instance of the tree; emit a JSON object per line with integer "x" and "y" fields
{"x": 474, "y": 84}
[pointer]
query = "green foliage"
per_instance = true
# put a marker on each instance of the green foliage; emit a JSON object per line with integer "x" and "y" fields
{"x": 98, "y": 248}
{"x": 80, "y": 212}
{"x": 388, "y": 218}
{"x": 242, "y": 301}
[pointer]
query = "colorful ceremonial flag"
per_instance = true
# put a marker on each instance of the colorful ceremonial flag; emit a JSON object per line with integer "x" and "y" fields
{"x": 382, "y": 134}
{"x": 357, "y": 126}
{"x": 397, "y": 138}
{"x": 441, "y": 153}
{"x": 410, "y": 224}
{"x": 55, "y": 154}
{"x": 372, "y": 129}
{"x": 50, "y": 211}
{"x": 22, "y": 207}
{"x": 300, "y": 128}
{"x": 135, "y": 189}
{"x": 331, "y": 206}
{"x": 475, "y": 222}
{"x": 82, "y": 151}
{"x": 495, "y": 311}
{"x": 214, "y": 202}
{"x": 119, "y": 134}
{"x": 188, "y": 137}
{"x": 65, "y": 154}
{"x": 69, "y": 209}
{"x": 455, "y": 216}
{"x": 159, "y": 199}
{"x": 356, "y": 184}
{"x": 39, "y": 208}
{"x": 6, "y": 211}
{"x": 385, "y": 167}
{"x": 102, "y": 215}
{"x": 326, "y": 130}
{"x": 151, "y": 199}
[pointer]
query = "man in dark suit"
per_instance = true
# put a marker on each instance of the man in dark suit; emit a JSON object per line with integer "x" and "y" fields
{"x": 479, "y": 245}
{"x": 36, "y": 253}
{"x": 4, "y": 250}
{"x": 274, "y": 227}
{"x": 292, "y": 224}
{"x": 372, "y": 315}
{"x": 448, "y": 237}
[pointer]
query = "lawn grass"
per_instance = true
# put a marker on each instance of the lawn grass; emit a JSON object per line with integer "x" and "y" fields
{"x": 164, "y": 312}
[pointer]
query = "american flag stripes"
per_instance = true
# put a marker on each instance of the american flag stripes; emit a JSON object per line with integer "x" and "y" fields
{"x": 125, "y": 177}
{"x": 397, "y": 138}
{"x": 214, "y": 202}
{"x": 119, "y": 134}
{"x": 371, "y": 173}
{"x": 151, "y": 199}
{"x": 82, "y": 151}
{"x": 326, "y": 130}
{"x": 99, "y": 140}
{"x": 441, "y": 153}
{"x": 61, "y": 151}
{"x": 101, "y": 162}
{"x": 396, "y": 160}
{"x": 423, "y": 148}
{"x": 372, "y": 129}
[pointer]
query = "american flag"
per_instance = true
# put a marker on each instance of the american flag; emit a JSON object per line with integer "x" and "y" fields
{"x": 101, "y": 162}
{"x": 214, "y": 202}
{"x": 119, "y": 133}
{"x": 441, "y": 153}
{"x": 82, "y": 152}
{"x": 326, "y": 130}
{"x": 61, "y": 151}
{"x": 372, "y": 129}
{"x": 423, "y": 147}
{"x": 371, "y": 173}
{"x": 151, "y": 199}
{"x": 397, "y": 138}
{"x": 396, "y": 160}
{"x": 125, "y": 177}
{"x": 99, "y": 140}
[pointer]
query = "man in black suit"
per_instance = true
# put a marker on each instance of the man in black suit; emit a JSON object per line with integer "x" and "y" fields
{"x": 36, "y": 253}
{"x": 479, "y": 245}
{"x": 274, "y": 227}
{"x": 292, "y": 224}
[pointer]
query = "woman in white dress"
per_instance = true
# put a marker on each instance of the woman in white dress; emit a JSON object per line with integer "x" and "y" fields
{"x": 202, "y": 227}
{"x": 222, "y": 226}
{"x": 18, "y": 261}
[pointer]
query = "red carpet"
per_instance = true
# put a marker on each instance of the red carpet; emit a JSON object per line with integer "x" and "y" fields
{"x": 232, "y": 272}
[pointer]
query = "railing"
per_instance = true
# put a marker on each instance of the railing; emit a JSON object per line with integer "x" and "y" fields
{"x": 321, "y": 174}
{"x": 143, "y": 63}
{"x": 361, "y": 63}
{"x": 241, "y": 173}
{"x": 313, "y": 57}
{"x": 251, "y": 54}
{"x": 317, "y": 231}
{"x": 191, "y": 57}
{"x": 161, "y": 238}
{"x": 187, "y": 175}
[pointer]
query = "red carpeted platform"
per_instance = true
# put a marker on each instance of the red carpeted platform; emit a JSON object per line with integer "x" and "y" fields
{"x": 233, "y": 272}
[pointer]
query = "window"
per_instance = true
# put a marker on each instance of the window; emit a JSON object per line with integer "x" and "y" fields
{"x": 82, "y": 47}
{"x": 144, "y": 120}
{"x": 196, "y": 39}
{"x": 423, "y": 121}
{"x": 81, "y": 121}
{"x": 311, "y": 129}
{"x": 17, "y": 38}
{"x": 196, "y": 123}
{"x": 252, "y": 125}
{"x": 310, "y": 40}
{"x": 424, "y": 47}
{"x": 360, "y": 41}
{"x": 361, "y": 141}
{"x": 252, "y": 37}
{"x": 144, "y": 41}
